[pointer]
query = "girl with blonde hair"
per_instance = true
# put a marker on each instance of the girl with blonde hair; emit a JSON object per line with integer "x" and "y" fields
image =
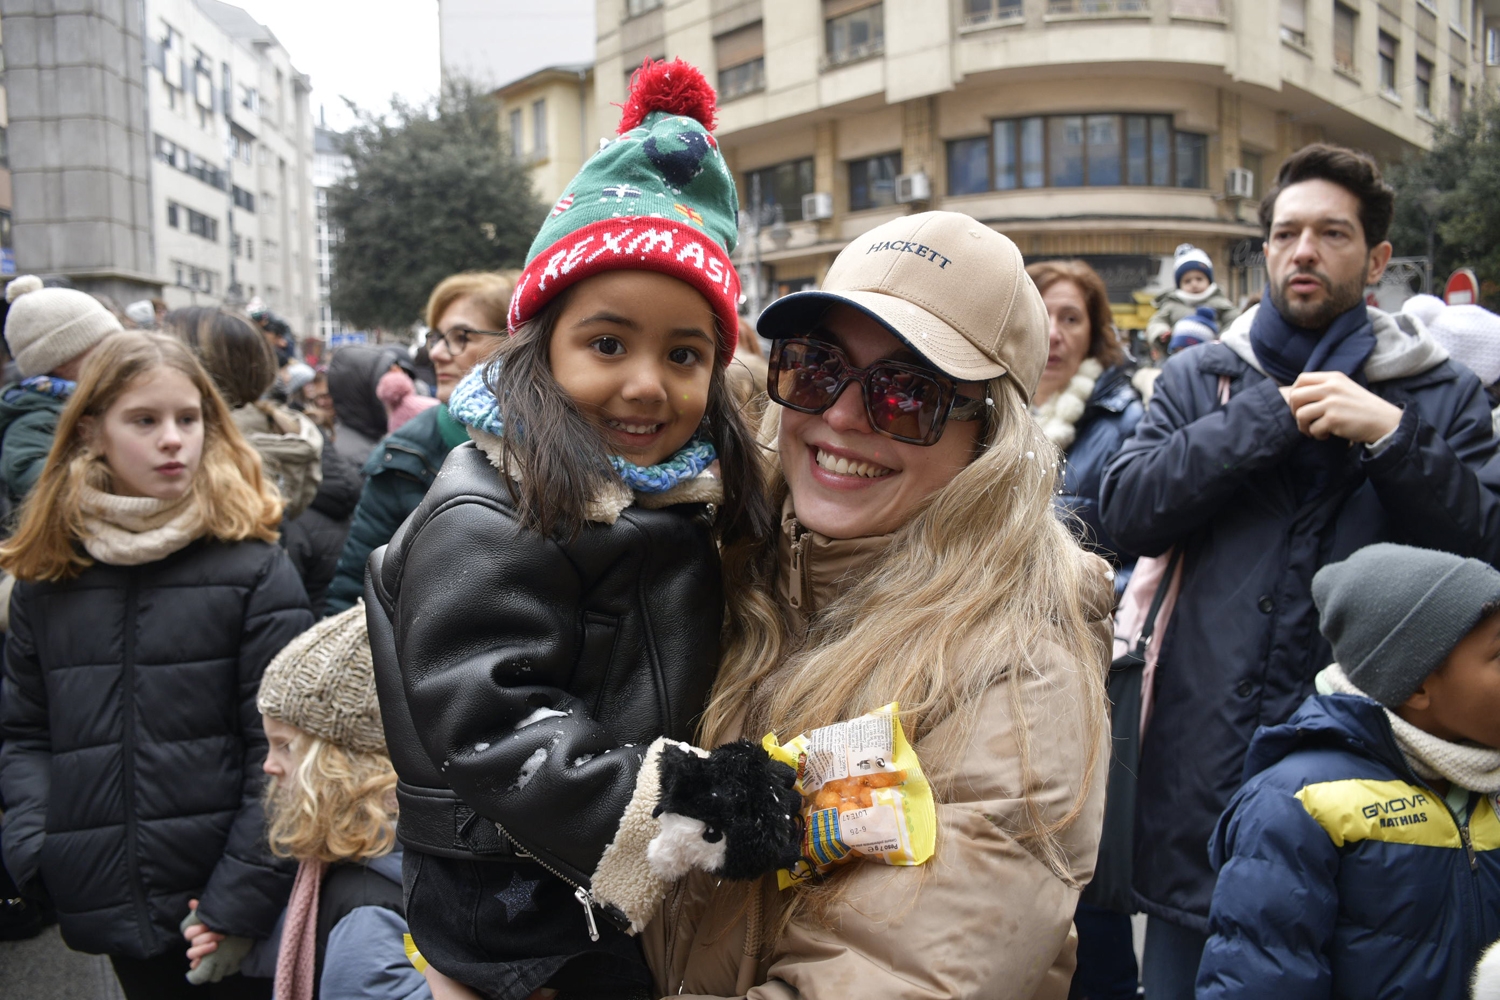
{"x": 151, "y": 596}
{"x": 332, "y": 806}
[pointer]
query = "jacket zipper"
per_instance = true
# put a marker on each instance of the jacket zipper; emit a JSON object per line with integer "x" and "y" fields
{"x": 127, "y": 755}
{"x": 581, "y": 893}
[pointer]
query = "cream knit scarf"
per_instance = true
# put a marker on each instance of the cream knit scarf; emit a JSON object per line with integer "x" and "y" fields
{"x": 1473, "y": 767}
{"x": 1059, "y": 414}
{"x": 132, "y": 531}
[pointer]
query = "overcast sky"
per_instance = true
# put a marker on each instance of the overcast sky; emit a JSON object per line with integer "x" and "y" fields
{"x": 365, "y": 50}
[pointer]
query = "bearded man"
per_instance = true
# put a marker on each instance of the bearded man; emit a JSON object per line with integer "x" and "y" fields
{"x": 1318, "y": 425}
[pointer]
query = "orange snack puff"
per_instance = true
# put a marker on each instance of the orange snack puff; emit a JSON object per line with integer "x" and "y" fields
{"x": 863, "y": 792}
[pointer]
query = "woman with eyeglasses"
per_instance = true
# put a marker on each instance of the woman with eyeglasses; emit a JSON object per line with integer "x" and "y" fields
{"x": 466, "y": 321}
{"x": 918, "y": 561}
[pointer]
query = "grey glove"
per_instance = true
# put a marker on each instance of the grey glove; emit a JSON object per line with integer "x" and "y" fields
{"x": 222, "y": 961}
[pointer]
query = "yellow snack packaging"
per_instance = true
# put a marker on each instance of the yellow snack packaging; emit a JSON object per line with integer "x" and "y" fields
{"x": 863, "y": 795}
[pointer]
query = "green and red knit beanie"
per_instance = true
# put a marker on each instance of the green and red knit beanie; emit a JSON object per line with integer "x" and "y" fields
{"x": 658, "y": 198}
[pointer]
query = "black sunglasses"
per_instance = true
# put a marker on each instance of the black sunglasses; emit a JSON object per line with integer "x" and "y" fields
{"x": 903, "y": 401}
{"x": 457, "y": 339}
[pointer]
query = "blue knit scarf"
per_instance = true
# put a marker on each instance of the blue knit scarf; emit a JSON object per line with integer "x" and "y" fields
{"x": 1286, "y": 351}
{"x": 48, "y": 385}
{"x": 473, "y": 405}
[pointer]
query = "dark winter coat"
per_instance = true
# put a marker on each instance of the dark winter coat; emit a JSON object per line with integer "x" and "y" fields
{"x": 353, "y": 373}
{"x": 1109, "y": 418}
{"x": 315, "y": 539}
{"x": 1342, "y": 874}
{"x": 28, "y": 423}
{"x": 131, "y": 769}
{"x": 397, "y": 476}
{"x": 1243, "y": 646}
{"x": 612, "y": 637}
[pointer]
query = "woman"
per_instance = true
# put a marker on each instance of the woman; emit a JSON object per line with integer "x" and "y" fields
{"x": 932, "y": 573}
{"x": 466, "y": 314}
{"x": 1084, "y": 401}
{"x": 319, "y": 486}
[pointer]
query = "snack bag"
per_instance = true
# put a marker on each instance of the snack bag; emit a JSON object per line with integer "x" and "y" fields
{"x": 863, "y": 792}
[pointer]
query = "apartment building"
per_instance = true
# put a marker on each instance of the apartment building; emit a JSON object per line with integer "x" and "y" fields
{"x": 1108, "y": 129}
{"x": 330, "y": 165}
{"x": 232, "y": 168}
{"x": 7, "y": 247}
{"x": 549, "y": 121}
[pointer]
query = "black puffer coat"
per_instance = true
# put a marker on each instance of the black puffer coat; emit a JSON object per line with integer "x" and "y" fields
{"x": 132, "y": 762}
{"x": 315, "y": 539}
{"x": 606, "y": 642}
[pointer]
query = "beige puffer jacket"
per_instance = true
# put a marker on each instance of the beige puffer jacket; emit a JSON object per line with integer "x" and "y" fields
{"x": 291, "y": 451}
{"x": 983, "y": 919}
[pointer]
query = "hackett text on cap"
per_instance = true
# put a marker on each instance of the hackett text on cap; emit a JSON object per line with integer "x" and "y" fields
{"x": 906, "y": 246}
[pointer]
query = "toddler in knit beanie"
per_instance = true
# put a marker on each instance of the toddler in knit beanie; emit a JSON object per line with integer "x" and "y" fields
{"x": 398, "y": 394}
{"x": 1188, "y": 259}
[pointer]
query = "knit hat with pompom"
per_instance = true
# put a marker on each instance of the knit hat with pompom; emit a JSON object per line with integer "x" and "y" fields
{"x": 48, "y": 327}
{"x": 658, "y": 198}
{"x": 323, "y": 682}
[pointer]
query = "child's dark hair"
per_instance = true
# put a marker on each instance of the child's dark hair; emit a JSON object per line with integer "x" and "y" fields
{"x": 561, "y": 457}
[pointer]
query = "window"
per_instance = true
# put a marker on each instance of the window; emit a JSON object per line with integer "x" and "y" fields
{"x": 634, "y": 8}
{"x": 1065, "y": 150}
{"x": 1096, "y": 150}
{"x": 1424, "y": 84}
{"x": 1019, "y": 158}
{"x": 202, "y": 225}
{"x": 1100, "y": 7}
{"x": 4, "y": 146}
{"x": 740, "y": 56}
{"x": 1457, "y": 11}
{"x": 1198, "y": 8}
{"x": 539, "y": 127}
{"x": 1192, "y": 160}
{"x": 249, "y": 98}
{"x": 968, "y": 166}
{"x": 1387, "y": 46}
{"x": 977, "y": 12}
{"x": 1294, "y": 21}
{"x": 197, "y": 279}
{"x": 853, "y": 35}
{"x": 1455, "y": 99}
{"x": 516, "y": 135}
{"x": 872, "y": 182}
{"x": 172, "y": 216}
{"x": 783, "y": 185}
{"x": 243, "y": 199}
{"x": 1345, "y": 30}
{"x": 1492, "y": 47}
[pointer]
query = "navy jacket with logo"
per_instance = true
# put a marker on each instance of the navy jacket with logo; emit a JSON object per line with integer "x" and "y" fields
{"x": 1342, "y": 874}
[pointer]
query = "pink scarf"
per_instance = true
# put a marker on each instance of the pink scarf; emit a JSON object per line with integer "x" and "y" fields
{"x": 297, "y": 959}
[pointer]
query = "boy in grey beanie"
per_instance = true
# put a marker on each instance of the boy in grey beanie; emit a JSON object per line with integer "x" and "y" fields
{"x": 49, "y": 331}
{"x": 1362, "y": 855}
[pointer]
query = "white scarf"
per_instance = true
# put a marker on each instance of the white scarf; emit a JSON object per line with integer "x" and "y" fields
{"x": 1473, "y": 767}
{"x": 132, "y": 531}
{"x": 1059, "y": 414}
{"x": 1193, "y": 298}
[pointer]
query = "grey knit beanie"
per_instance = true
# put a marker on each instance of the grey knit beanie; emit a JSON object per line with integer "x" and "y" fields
{"x": 47, "y": 327}
{"x": 1392, "y": 613}
{"x": 323, "y": 683}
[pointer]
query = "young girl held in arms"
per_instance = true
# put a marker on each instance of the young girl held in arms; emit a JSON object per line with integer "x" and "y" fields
{"x": 557, "y": 601}
{"x": 151, "y": 597}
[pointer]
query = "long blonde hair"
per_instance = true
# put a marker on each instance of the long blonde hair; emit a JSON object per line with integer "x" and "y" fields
{"x": 236, "y": 501}
{"x": 984, "y": 567}
{"x": 338, "y": 805}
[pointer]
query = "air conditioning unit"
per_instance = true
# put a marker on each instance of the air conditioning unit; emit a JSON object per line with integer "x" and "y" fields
{"x": 1239, "y": 183}
{"x": 818, "y": 205}
{"x": 913, "y": 187}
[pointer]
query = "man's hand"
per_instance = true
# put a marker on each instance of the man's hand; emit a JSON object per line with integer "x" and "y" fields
{"x": 1331, "y": 404}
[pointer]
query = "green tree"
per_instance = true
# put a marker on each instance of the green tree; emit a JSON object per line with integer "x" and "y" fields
{"x": 1454, "y": 188}
{"x": 431, "y": 193}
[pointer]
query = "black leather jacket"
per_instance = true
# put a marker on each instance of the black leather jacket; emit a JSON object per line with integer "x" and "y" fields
{"x": 480, "y": 626}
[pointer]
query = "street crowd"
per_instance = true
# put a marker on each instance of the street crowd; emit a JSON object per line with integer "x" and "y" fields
{"x": 450, "y": 673}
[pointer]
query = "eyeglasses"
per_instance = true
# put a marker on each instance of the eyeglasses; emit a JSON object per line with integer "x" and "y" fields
{"x": 903, "y": 401}
{"x": 456, "y": 339}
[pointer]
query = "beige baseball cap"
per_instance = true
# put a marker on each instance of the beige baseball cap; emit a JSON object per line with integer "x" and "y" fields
{"x": 947, "y": 285}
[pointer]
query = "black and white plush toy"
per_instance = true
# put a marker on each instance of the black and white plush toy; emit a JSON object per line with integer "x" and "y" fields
{"x": 732, "y": 812}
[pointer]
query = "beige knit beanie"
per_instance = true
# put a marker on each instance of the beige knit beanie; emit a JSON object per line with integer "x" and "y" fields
{"x": 48, "y": 327}
{"x": 323, "y": 683}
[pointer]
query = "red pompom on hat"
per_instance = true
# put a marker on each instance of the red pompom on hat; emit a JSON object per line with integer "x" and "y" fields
{"x": 658, "y": 198}
{"x": 676, "y": 87}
